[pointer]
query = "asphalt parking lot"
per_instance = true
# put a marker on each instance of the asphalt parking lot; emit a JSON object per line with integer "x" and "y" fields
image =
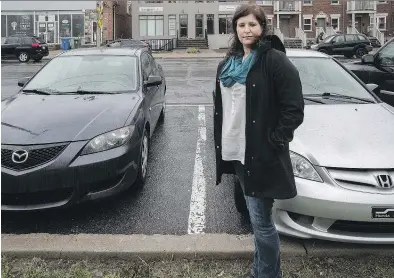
{"x": 164, "y": 205}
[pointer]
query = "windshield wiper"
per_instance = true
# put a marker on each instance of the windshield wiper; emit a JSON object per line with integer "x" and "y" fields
{"x": 37, "y": 92}
{"x": 314, "y": 100}
{"x": 85, "y": 92}
{"x": 335, "y": 95}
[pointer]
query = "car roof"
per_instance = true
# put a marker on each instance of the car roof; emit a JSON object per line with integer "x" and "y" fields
{"x": 305, "y": 53}
{"x": 108, "y": 51}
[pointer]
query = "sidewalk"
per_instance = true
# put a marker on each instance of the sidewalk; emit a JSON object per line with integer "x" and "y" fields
{"x": 158, "y": 247}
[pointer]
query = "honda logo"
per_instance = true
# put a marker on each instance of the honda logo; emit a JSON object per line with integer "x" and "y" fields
{"x": 385, "y": 181}
{"x": 19, "y": 156}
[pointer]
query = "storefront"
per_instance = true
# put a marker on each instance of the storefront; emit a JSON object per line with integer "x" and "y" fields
{"x": 51, "y": 26}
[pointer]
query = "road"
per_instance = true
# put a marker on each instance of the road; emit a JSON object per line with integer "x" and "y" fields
{"x": 163, "y": 206}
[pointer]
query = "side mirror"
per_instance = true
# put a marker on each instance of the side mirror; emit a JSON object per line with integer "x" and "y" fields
{"x": 374, "y": 88}
{"x": 368, "y": 59}
{"x": 153, "y": 80}
{"x": 23, "y": 81}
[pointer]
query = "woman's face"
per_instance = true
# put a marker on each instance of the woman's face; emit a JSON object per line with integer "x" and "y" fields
{"x": 248, "y": 30}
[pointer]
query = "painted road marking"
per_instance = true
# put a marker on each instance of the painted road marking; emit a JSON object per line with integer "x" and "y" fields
{"x": 196, "y": 223}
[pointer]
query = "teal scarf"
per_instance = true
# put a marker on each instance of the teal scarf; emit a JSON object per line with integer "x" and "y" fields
{"x": 235, "y": 70}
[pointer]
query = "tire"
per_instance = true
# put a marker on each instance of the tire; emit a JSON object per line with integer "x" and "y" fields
{"x": 23, "y": 57}
{"x": 239, "y": 199}
{"x": 143, "y": 161}
{"x": 360, "y": 52}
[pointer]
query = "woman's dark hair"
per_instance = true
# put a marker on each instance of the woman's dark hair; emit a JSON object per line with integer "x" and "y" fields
{"x": 236, "y": 47}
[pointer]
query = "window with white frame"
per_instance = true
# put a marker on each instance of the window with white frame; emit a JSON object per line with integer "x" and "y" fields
{"x": 307, "y": 2}
{"x": 307, "y": 24}
{"x": 225, "y": 26}
{"x": 334, "y": 2}
{"x": 151, "y": 25}
{"x": 381, "y": 22}
{"x": 335, "y": 23}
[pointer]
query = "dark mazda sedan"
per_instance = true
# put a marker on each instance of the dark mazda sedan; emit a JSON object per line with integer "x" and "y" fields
{"x": 80, "y": 128}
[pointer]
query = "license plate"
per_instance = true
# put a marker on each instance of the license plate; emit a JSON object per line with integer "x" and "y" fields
{"x": 383, "y": 212}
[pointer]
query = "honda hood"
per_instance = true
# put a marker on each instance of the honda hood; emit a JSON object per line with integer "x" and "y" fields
{"x": 347, "y": 136}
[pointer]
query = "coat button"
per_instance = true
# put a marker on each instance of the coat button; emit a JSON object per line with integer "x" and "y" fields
{"x": 216, "y": 113}
{"x": 253, "y": 193}
{"x": 248, "y": 173}
{"x": 217, "y": 147}
{"x": 254, "y": 85}
{"x": 254, "y": 121}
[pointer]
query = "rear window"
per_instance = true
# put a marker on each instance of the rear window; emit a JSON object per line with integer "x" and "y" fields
{"x": 362, "y": 38}
{"x": 38, "y": 40}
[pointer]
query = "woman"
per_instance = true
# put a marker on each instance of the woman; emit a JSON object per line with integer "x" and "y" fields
{"x": 258, "y": 104}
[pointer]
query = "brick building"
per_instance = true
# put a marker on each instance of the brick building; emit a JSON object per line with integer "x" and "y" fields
{"x": 290, "y": 19}
{"x": 116, "y": 20}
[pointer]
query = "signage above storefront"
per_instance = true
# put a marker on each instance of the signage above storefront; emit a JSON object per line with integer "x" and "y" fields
{"x": 227, "y": 8}
{"x": 151, "y": 9}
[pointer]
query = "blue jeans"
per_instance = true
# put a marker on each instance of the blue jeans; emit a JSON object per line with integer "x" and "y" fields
{"x": 266, "y": 262}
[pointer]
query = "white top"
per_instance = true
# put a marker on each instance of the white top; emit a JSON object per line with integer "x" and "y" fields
{"x": 234, "y": 122}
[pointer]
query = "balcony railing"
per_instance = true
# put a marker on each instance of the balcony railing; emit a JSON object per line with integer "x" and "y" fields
{"x": 361, "y": 5}
{"x": 287, "y": 6}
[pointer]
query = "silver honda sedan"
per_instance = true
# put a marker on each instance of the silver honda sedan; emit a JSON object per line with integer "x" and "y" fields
{"x": 342, "y": 156}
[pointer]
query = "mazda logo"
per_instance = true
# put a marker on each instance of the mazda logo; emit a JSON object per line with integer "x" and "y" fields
{"x": 19, "y": 156}
{"x": 385, "y": 181}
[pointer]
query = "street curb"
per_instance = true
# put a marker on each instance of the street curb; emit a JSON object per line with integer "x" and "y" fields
{"x": 154, "y": 247}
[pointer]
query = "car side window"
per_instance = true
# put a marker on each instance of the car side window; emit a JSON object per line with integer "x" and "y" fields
{"x": 386, "y": 55}
{"x": 146, "y": 66}
{"x": 339, "y": 39}
{"x": 152, "y": 63}
{"x": 350, "y": 38}
{"x": 361, "y": 38}
{"x": 12, "y": 40}
{"x": 27, "y": 40}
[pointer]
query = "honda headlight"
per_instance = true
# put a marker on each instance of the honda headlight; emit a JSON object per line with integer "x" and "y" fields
{"x": 108, "y": 140}
{"x": 302, "y": 168}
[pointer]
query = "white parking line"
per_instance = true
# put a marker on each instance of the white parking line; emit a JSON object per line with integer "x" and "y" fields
{"x": 196, "y": 221}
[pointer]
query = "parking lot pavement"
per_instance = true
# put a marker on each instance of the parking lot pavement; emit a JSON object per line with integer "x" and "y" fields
{"x": 164, "y": 205}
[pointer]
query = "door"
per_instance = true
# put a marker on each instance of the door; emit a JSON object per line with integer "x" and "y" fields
{"x": 157, "y": 91}
{"x": 199, "y": 26}
{"x": 350, "y": 42}
{"x": 149, "y": 92}
{"x": 9, "y": 47}
{"x": 51, "y": 32}
{"x": 210, "y": 24}
{"x": 42, "y": 30}
{"x": 183, "y": 26}
{"x": 321, "y": 23}
{"x": 285, "y": 27}
{"x": 358, "y": 23}
{"x": 338, "y": 45}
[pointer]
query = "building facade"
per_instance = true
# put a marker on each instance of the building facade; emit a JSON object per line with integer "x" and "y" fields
{"x": 289, "y": 19}
{"x": 53, "y": 20}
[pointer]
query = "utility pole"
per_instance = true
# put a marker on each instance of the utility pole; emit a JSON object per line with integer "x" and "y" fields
{"x": 99, "y": 6}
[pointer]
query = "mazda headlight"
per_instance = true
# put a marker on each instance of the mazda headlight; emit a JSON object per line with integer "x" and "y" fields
{"x": 302, "y": 168}
{"x": 108, "y": 140}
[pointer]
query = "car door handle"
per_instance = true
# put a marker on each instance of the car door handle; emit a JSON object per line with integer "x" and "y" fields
{"x": 150, "y": 108}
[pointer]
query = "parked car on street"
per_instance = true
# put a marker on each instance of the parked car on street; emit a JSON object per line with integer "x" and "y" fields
{"x": 347, "y": 45}
{"x": 80, "y": 128}
{"x": 377, "y": 68}
{"x": 23, "y": 48}
{"x": 129, "y": 43}
{"x": 342, "y": 157}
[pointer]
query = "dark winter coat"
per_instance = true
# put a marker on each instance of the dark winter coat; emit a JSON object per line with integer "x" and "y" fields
{"x": 274, "y": 109}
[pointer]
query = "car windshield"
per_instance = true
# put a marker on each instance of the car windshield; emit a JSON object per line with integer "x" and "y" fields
{"x": 323, "y": 75}
{"x": 328, "y": 39}
{"x": 98, "y": 73}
